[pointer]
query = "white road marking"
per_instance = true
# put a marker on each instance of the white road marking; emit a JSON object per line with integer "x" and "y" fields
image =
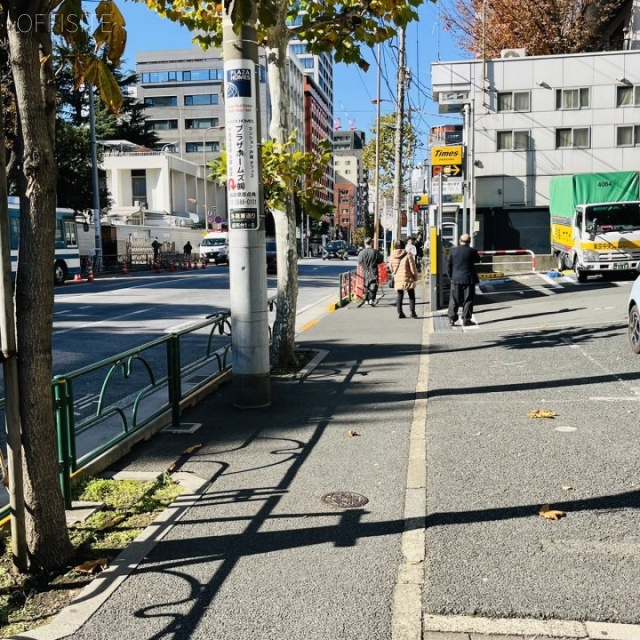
{"x": 106, "y": 320}
{"x": 552, "y": 281}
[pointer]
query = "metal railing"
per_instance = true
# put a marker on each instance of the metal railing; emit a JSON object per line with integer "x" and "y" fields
{"x": 98, "y": 406}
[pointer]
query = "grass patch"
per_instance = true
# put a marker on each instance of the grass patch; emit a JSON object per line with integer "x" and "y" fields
{"x": 28, "y": 601}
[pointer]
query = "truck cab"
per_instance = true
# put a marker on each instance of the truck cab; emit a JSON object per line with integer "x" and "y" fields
{"x": 606, "y": 239}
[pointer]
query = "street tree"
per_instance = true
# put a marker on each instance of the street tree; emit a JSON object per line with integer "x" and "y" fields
{"x": 542, "y": 27}
{"x": 387, "y": 168}
{"x": 27, "y": 26}
{"x": 339, "y": 27}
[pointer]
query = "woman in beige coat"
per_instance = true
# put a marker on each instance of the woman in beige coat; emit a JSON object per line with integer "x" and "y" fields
{"x": 405, "y": 278}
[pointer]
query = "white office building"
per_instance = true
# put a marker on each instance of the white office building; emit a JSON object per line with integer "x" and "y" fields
{"x": 535, "y": 117}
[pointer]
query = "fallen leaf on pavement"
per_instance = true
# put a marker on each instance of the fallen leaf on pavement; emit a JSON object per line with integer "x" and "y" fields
{"x": 568, "y": 488}
{"x": 192, "y": 449}
{"x": 92, "y": 566}
{"x": 111, "y": 522}
{"x": 541, "y": 413}
{"x": 551, "y": 514}
{"x": 353, "y": 433}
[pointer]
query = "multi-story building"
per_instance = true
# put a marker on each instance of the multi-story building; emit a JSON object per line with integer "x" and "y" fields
{"x": 318, "y": 126}
{"x": 535, "y": 117}
{"x": 351, "y": 195}
{"x": 182, "y": 90}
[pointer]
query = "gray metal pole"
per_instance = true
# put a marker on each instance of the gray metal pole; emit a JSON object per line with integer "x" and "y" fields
{"x": 245, "y": 202}
{"x": 399, "y": 138}
{"x": 376, "y": 207}
{"x": 94, "y": 179}
{"x": 10, "y": 371}
{"x": 465, "y": 181}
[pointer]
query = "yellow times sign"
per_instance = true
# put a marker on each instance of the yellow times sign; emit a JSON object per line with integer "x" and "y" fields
{"x": 441, "y": 156}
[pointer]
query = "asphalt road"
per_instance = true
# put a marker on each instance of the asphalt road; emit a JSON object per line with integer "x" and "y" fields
{"x": 562, "y": 347}
{"x": 95, "y": 321}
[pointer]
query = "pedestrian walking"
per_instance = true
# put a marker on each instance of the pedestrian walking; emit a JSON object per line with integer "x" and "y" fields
{"x": 405, "y": 278}
{"x": 461, "y": 268}
{"x": 368, "y": 261}
{"x": 187, "y": 251}
{"x": 156, "y": 249}
{"x": 419, "y": 244}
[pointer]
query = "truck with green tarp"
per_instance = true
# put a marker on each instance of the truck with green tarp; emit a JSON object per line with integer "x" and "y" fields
{"x": 595, "y": 222}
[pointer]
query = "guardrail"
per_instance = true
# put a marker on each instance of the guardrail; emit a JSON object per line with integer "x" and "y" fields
{"x": 159, "y": 379}
{"x": 530, "y": 257}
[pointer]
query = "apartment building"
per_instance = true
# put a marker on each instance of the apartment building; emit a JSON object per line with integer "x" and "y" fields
{"x": 351, "y": 189}
{"x": 535, "y": 117}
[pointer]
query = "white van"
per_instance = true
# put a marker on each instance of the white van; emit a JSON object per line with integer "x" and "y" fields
{"x": 214, "y": 247}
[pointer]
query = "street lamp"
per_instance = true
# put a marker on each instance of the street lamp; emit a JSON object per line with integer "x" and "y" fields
{"x": 206, "y": 177}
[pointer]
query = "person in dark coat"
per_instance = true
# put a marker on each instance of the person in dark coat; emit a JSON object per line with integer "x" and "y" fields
{"x": 461, "y": 268}
{"x": 368, "y": 260}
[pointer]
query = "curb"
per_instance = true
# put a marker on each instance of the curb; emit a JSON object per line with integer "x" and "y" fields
{"x": 93, "y": 596}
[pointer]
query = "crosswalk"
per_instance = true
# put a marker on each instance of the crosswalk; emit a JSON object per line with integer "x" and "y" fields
{"x": 509, "y": 289}
{"x": 542, "y": 284}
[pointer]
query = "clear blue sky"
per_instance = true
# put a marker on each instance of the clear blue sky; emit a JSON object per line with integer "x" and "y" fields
{"x": 353, "y": 89}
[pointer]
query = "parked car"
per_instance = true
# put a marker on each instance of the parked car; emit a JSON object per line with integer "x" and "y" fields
{"x": 215, "y": 247}
{"x": 633, "y": 308}
{"x": 335, "y": 249}
{"x": 352, "y": 250}
{"x": 272, "y": 257}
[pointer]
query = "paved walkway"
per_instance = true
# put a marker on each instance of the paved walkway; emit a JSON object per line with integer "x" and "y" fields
{"x": 390, "y": 412}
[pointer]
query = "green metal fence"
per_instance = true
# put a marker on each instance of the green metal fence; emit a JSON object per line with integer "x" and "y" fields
{"x": 157, "y": 379}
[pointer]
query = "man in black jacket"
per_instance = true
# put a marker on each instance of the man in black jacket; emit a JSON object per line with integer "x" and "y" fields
{"x": 369, "y": 259}
{"x": 461, "y": 268}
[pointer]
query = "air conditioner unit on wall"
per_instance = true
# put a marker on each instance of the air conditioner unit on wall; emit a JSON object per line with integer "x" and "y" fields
{"x": 513, "y": 53}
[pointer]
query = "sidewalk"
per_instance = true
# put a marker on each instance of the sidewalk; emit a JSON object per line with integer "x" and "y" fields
{"x": 393, "y": 412}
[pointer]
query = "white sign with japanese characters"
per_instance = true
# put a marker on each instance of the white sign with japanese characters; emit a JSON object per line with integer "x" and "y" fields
{"x": 242, "y": 144}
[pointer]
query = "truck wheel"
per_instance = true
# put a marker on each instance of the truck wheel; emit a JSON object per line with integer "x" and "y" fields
{"x": 59, "y": 273}
{"x": 561, "y": 262}
{"x": 634, "y": 329}
{"x": 581, "y": 275}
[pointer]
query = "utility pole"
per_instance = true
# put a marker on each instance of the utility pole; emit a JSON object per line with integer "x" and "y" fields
{"x": 245, "y": 202}
{"x": 399, "y": 137}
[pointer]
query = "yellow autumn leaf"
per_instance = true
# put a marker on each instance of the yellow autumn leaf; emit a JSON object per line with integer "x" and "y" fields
{"x": 551, "y": 514}
{"x": 192, "y": 449}
{"x": 92, "y": 566}
{"x": 111, "y": 522}
{"x": 353, "y": 434}
{"x": 542, "y": 413}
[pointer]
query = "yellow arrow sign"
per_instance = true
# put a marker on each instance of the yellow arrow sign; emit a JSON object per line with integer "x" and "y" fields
{"x": 452, "y": 170}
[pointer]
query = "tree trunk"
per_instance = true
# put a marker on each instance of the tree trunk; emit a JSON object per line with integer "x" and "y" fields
{"x": 47, "y": 537}
{"x": 284, "y": 330}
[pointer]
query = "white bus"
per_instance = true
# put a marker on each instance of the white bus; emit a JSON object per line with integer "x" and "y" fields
{"x": 66, "y": 262}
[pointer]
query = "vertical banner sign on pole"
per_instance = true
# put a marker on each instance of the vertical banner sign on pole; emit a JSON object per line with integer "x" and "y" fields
{"x": 242, "y": 144}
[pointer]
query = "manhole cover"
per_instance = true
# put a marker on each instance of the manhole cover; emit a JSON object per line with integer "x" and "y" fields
{"x": 345, "y": 499}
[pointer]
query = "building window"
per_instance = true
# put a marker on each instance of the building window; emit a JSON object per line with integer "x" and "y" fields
{"x": 201, "y": 99}
{"x": 308, "y": 63}
{"x": 161, "y": 101}
{"x": 569, "y": 138}
{"x": 193, "y": 147}
{"x": 628, "y": 136}
{"x": 514, "y": 101}
{"x": 161, "y": 125}
{"x": 572, "y": 98}
{"x": 627, "y": 96}
{"x": 138, "y": 185}
{"x": 201, "y": 123}
{"x": 513, "y": 140}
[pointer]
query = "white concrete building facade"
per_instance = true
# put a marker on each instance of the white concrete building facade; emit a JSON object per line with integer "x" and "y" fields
{"x": 535, "y": 117}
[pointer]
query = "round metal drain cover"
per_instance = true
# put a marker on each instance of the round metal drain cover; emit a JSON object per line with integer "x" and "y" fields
{"x": 345, "y": 499}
